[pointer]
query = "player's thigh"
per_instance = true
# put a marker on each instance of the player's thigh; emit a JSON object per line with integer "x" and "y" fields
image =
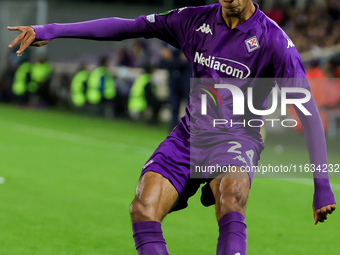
{"x": 155, "y": 196}
{"x": 231, "y": 190}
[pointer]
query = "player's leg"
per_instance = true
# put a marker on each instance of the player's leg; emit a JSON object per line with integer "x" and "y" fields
{"x": 231, "y": 193}
{"x": 155, "y": 196}
{"x": 161, "y": 188}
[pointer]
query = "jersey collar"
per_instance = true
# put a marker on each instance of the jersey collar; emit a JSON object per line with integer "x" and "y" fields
{"x": 245, "y": 26}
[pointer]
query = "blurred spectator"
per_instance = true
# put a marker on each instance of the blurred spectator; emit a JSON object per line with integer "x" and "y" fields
{"x": 31, "y": 83}
{"x": 143, "y": 95}
{"x": 101, "y": 89}
{"x": 123, "y": 85}
{"x": 39, "y": 86}
{"x": 21, "y": 81}
{"x": 101, "y": 84}
{"x": 140, "y": 52}
{"x": 7, "y": 78}
{"x": 179, "y": 80}
{"x": 79, "y": 86}
{"x": 125, "y": 57}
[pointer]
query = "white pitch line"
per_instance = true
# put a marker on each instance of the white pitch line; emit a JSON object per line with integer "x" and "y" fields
{"x": 308, "y": 182}
{"x": 74, "y": 138}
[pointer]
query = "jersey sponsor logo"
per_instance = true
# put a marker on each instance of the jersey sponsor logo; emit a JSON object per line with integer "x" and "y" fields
{"x": 290, "y": 43}
{"x": 151, "y": 18}
{"x": 238, "y": 253}
{"x": 205, "y": 29}
{"x": 224, "y": 65}
{"x": 252, "y": 44}
{"x": 149, "y": 163}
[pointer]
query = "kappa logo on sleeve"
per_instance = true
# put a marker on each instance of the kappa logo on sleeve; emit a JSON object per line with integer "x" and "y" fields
{"x": 151, "y": 18}
{"x": 290, "y": 43}
{"x": 252, "y": 44}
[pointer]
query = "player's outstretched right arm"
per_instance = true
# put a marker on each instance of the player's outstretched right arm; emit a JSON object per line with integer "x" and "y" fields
{"x": 27, "y": 38}
{"x": 170, "y": 27}
{"x": 100, "y": 29}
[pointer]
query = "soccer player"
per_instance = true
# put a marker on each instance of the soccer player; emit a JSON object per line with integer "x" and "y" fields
{"x": 251, "y": 46}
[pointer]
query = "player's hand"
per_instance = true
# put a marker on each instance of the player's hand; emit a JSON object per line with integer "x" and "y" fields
{"x": 27, "y": 38}
{"x": 321, "y": 215}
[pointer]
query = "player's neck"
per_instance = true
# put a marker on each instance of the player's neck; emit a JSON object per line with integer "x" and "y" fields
{"x": 234, "y": 21}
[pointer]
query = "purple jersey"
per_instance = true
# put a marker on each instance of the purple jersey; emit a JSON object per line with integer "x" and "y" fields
{"x": 257, "y": 48}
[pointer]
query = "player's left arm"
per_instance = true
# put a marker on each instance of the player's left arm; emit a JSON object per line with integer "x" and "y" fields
{"x": 324, "y": 200}
{"x": 290, "y": 71}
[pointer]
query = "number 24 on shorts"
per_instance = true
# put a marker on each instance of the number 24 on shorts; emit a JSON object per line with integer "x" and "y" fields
{"x": 235, "y": 149}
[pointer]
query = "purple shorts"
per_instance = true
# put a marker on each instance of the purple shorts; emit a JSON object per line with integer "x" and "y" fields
{"x": 186, "y": 172}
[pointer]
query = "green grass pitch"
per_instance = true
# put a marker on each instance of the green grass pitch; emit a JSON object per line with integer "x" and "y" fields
{"x": 69, "y": 180}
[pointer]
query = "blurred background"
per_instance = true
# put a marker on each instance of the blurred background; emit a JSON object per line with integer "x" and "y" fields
{"x": 79, "y": 119}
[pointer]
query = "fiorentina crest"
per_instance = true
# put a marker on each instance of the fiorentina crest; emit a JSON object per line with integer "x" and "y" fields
{"x": 252, "y": 44}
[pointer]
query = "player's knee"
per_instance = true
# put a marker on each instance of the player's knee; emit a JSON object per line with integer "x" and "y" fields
{"x": 141, "y": 211}
{"x": 233, "y": 195}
